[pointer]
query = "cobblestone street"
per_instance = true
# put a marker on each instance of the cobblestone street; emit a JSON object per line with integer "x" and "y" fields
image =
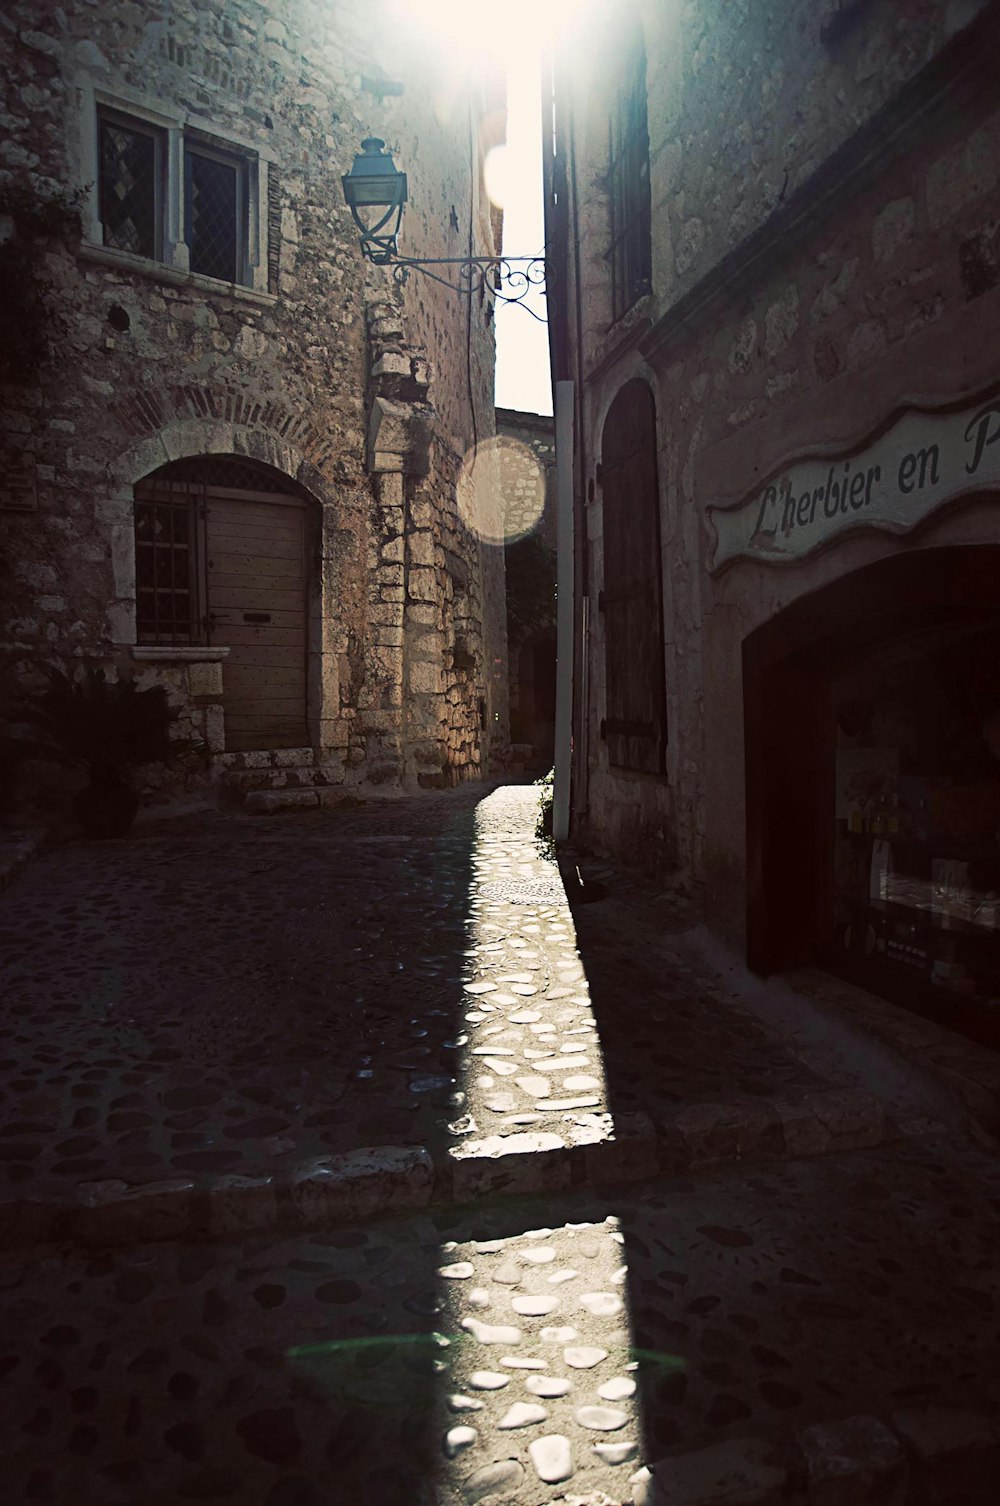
{"x": 230, "y": 995}
{"x": 347, "y": 1163}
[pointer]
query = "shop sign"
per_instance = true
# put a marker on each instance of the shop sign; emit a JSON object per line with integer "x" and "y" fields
{"x": 922, "y": 461}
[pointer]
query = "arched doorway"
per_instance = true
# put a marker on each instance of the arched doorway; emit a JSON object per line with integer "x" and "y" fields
{"x": 222, "y": 558}
{"x": 872, "y": 724}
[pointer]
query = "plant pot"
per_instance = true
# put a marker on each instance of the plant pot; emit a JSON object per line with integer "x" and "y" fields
{"x": 105, "y": 810}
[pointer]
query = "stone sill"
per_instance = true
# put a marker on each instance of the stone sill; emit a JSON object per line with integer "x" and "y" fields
{"x": 179, "y": 653}
{"x": 156, "y": 271}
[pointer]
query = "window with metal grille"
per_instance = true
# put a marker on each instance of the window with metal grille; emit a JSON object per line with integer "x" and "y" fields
{"x": 215, "y": 212}
{"x": 629, "y": 254}
{"x": 635, "y": 723}
{"x": 131, "y": 174}
{"x": 168, "y": 553}
{"x": 144, "y": 198}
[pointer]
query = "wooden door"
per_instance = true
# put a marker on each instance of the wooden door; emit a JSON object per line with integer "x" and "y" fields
{"x": 256, "y": 570}
{"x": 635, "y": 726}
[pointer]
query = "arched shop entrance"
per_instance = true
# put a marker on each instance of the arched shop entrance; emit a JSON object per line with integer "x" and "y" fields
{"x": 872, "y": 723}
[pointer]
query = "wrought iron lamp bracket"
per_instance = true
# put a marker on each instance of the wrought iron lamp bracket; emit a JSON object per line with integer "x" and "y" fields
{"x": 509, "y": 279}
{"x": 374, "y": 184}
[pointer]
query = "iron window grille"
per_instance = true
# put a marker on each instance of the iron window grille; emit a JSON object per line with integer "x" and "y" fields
{"x": 170, "y": 586}
{"x": 131, "y": 165}
{"x": 630, "y": 252}
{"x": 215, "y": 212}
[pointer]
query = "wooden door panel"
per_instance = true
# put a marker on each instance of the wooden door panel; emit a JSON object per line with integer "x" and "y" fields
{"x": 281, "y": 639}
{"x": 272, "y": 658}
{"x": 258, "y": 567}
{"x": 271, "y": 683}
{"x": 256, "y": 560}
{"x": 255, "y": 597}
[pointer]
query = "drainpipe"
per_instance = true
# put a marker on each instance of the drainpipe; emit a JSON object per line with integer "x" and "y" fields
{"x": 581, "y": 750}
{"x": 564, "y": 610}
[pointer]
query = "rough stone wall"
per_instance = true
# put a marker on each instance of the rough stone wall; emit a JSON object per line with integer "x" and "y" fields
{"x": 747, "y": 100}
{"x": 527, "y": 447}
{"x": 365, "y": 393}
{"x": 883, "y": 292}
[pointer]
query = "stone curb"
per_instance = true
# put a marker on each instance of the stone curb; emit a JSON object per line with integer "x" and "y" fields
{"x": 372, "y": 1182}
{"x": 934, "y": 1456}
{"x": 358, "y": 1185}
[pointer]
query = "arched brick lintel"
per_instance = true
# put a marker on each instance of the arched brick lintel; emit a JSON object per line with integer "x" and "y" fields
{"x": 185, "y": 437}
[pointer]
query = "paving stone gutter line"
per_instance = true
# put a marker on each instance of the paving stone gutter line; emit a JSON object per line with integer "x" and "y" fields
{"x": 369, "y": 1183}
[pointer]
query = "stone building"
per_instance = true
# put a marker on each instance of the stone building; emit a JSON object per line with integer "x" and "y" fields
{"x": 242, "y": 459}
{"x": 775, "y": 230}
{"x": 527, "y": 477}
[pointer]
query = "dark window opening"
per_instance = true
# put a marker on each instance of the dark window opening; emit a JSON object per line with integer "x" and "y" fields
{"x": 215, "y": 212}
{"x": 630, "y": 254}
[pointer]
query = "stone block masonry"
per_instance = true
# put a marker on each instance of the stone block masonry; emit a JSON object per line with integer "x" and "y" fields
{"x": 344, "y": 387}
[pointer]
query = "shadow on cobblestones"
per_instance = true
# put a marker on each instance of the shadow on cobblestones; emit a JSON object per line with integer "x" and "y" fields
{"x": 224, "y": 995}
{"x": 220, "y": 994}
{"x": 425, "y": 1360}
{"x": 671, "y": 1035}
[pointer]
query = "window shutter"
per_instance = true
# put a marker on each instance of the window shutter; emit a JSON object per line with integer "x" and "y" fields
{"x": 634, "y": 727}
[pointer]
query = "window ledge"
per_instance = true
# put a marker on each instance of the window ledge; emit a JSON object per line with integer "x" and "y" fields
{"x": 179, "y": 653}
{"x": 107, "y": 256}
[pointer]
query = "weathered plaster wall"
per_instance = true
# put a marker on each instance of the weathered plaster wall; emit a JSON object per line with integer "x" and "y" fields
{"x": 885, "y": 293}
{"x": 153, "y": 364}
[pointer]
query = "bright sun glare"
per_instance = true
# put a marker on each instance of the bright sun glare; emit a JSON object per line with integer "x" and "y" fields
{"x": 471, "y": 30}
{"x": 471, "y": 33}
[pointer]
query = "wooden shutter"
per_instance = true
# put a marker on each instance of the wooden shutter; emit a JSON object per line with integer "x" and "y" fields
{"x": 635, "y": 725}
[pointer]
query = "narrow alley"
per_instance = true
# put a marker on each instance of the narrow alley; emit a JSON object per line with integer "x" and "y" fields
{"x": 395, "y": 1179}
{"x": 500, "y": 753}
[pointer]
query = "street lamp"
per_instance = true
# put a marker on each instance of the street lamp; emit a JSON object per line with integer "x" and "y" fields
{"x": 373, "y": 185}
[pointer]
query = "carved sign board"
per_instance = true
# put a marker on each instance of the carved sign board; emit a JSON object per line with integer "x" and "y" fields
{"x": 920, "y": 462}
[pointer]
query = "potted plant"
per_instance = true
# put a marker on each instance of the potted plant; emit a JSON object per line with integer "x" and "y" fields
{"x": 105, "y": 728}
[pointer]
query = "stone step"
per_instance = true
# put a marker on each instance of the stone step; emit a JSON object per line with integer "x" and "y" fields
{"x": 272, "y": 778}
{"x": 368, "y": 1183}
{"x": 282, "y": 785}
{"x": 297, "y": 797}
